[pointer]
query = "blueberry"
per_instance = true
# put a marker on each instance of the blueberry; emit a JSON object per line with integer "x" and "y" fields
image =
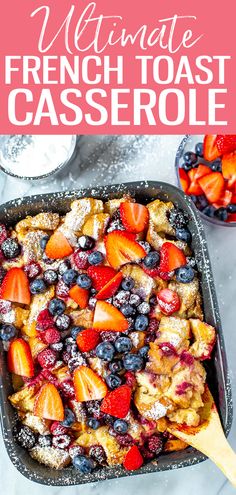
{"x": 120, "y": 426}
{"x": 191, "y": 261}
{"x": 116, "y": 366}
{"x": 152, "y": 259}
{"x": 10, "y": 248}
{"x": 93, "y": 423}
{"x": 95, "y": 258}
{"x": 134, "y": 300}
{"x": 209, "y": 211}
{"x": 133, "y": 362}
{"x": 86, "y": 242}
{"x": 216, "y": 166}
{"x": 190, "y": 158}
{"x": 221, "y": 214}
{"x": 183, "y": 234}
{"x": 69, "y": 418}
{"x": 70, "y": 276}
{"x": 141, "y": 323}
{"x": 199, "y": 149}
{"x": 127, "y": 310}
{"x": 143, "y": 351}
{"x": 127, "y": 283}
{"x": 37, "y": 286}
{"x": 146, "y": 246}
{"x": 7, "y": 332}
{"x": 75, "y": 330}
{"x": 231, "y": 208}
{"x": 56, "y": 307}
{"x": 194, "y": 198}
{"x": 105, "y": 351}
{"x": 24, "y": 436}
{"x": 84, "y": 281}
{"x": 185, "y": 274}
{"x": 178, "y": 218}
{"x": 50, "y": 277}
{"x": 45, "y": 440}
{"x": 97, "y": 452}
{"x": 63, "y": 322}
{"x": 121, "y": 298}
{"x": 43, "y": 241}
{"x": 186, "y": 166}
{"x": 153, "y": 300}
{"x": 58, "y": 346}
{"x": 113, "y": 381}
{"x": 2, "y": 274}
{"x": 201, "y": 202}
{"x": 64, "y": 266}
{"x": 84, "y": 464}
{"x": 144, "y": 308}
{"x": 123, "y": 344}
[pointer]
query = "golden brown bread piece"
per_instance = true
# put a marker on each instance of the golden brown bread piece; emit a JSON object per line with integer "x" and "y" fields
{"x": 54, "y": 458}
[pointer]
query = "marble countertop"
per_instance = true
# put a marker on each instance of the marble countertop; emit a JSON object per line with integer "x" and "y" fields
{"x": 104, "y": 160}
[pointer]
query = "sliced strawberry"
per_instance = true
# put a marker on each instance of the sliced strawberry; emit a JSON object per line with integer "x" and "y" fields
{"x": 80, "y": 296}
{"x": 117, "y": 402}
{"x": 171, "y": 257}
{"x": 224, "y": 200}
{"x": 213, "y": 186}
{"x": 194, "y": 188}
{"x": 111, "y": 287}
{"x": 210, "y": 149}
{"x": 87, "y": 339}
{"x": 48, "y": 403}
{"x": 107, "y": 317}
{"x": 58, "y": 246}
{"x": 134, "y": 216}
{"x": 100, "y": 275}
{"x": 231, "y": 218}
{"x": 121, "y": 248}
{"x": 133, "y": 459}
{"x": 229, "y": 168}
{"x": 226, "y": 143}
{"x": 152, "y": 272}
{"x": 19, "y": 358}
{"x": 169, "y": 301}
{"x": 233, "y": 199}
{"x": 184, "y": 179}
{"x": 15, "y": 287}
{"x": 202, "y": 170}
{"x": 88, "y": 385}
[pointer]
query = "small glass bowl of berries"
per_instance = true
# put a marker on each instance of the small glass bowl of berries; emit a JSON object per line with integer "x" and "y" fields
{"x": 206, "y": 172}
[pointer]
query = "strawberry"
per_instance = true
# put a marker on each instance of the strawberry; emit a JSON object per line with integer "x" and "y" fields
{"x": 122, "y": 248}
{"x": 171, "y": 257}
{"x": 134, "y": 216}
{"x": 100, "y": 275}
{"x": 213, "y": 186}
{"x": 19, "y": 358}
{"x": 111, "y": 287}
{"x": 15, "y": 287}
{"x": 48, "y": 403}
{"x": 58, "y": 246}
{"x": 184, "y": 180}
{"x": 117, "y": 402}
{"x": 231, "y": 218}
{"x": 210, "y": 149}
{"x": 233, "y": 199}
{"x": 202, "y": 170}
{"x": 169, "y": 301}
{"x": 80, "y": 296}
{"x": 87, "y": 339}
{"x": 226, "y": 143}
{"x": 229, "y": 168}
{"x": 224, "y": 200}
{"x": 133, "y": 459}
{"x": 88, "y": 385}
{"x": 194, "y": 187}
{"x": 107, "y": 317}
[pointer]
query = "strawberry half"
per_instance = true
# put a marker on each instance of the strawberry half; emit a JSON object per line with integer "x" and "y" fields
{"x": 107, "y": 317}
{"x": 48, "y": 403}
{"x": 117, "y": 402}
{"x": 224, "y": 200}
{"x": 19, "y": 358}
{"x": 88, "y": 385}
{"x": 121, "y": 248}
{"x": 58, "y": 246}
{"x": 213, "y": 186}
{"x": 210, "y": 149}
{"x": 133, "y": 459}
{"x": 202, "y": 170}
{"x": 111, "y": 287}
{"x": 229, "y": 168}
{"x": 100, "y": 275}
{"x": 171, "y": 257}
{"x": 87, "y": 340}
{"x": 226, "y": 143}
{"x": 134, "y": 216}
{"x": 15, "y": 287}
{"x": 184, "y": 179}
{"x": 231, "y": 218}
{"x": 80, "y": 296}
{"x": 168, "y": 301}
{"x": 194, "y": 187}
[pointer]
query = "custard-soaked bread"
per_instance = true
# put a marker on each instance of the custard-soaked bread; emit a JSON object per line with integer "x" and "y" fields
{"x": 50, "y": 456}
{"x": 204, "y": 339}
{"x": 158, "y": 211}
{"x": 144, "y": 284}
{"x": 42, "y": 221}
{"x": 175, "y": 331}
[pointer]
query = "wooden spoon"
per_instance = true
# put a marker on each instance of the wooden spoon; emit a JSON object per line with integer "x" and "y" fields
{"x": 209, "y": 438}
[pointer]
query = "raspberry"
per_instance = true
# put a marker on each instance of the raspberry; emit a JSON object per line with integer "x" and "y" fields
{"x": 47, "y": 358}
{"x": 62, "y": 290}
{"x": 151, "y": 330}
{"x": 47, "y": 375}
{"x": 5, "y": 307}
{"x": 125, "y": 440}
{"x": 93, "y": 408}
{"x": 66, "y": 357}
{"x": 61, "y": 441}
{"x": 44, "y": 320}
{"x": 32, "y": 270}
{"x": 130, "y": 379}
{"x": 109, "y": 336}
{"x": 51, "y": 336}
{"x": 57, "y": 428}
{"x": 187, "y": 358}
{"x": 75, "y": 450}
{"x": 80, "y": 259}
{"x": 3, "y": 233}
{"x": 97, "y": 452}
{"x": 155, "y": 444}
{"x": 67, "y": 388}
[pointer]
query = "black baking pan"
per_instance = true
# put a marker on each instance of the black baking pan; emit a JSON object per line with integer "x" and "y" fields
{"x": 218, "y": 380}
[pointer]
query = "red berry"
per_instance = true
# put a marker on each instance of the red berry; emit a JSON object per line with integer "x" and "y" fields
{"x": 130, "y": 379}
{"x": 44, "y": 320}
{"x": 51, "y": 336}
{"x": 133, "y": 459}
{"x": 67, "y": 388}
{"x": 80, "y": 259}
{"x": 3, "y": 233}
{"x": 47, "y": 358}
{"x": 5, "y": 306}
{"x": 32, "y": 269}
{"x": 57, "y": 428}
{"x": 155, "y": 444}
{"x": 47, "y": 375}
{"x": 168, "y": 301}
{"x": 62, "y": 290}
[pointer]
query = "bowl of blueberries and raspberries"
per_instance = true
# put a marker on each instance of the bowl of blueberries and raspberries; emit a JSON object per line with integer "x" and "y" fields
{"x": 206, "y": 171}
